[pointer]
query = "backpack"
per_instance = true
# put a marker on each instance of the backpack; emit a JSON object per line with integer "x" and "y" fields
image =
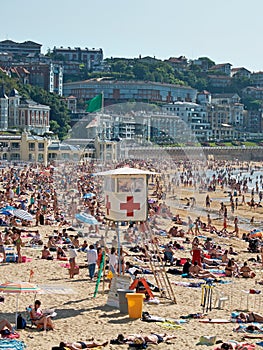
{"x": 21, "y": 322}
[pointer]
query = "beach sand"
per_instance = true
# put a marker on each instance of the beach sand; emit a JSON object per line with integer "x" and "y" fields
{"x": 80, "y": 316}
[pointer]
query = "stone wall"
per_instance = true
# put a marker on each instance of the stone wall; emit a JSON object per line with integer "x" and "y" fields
{"x": 198, "y": 153}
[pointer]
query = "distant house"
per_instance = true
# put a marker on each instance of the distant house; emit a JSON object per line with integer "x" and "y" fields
{"x": 224, "y": 68}
{"x": 254, "y": 92}
{"x": 225, "y": 99}
{"x": 20, "y": 73}
{"x": 240, "y": 72}
{"x": 179, "y": 63}
{"x": 203, "y": 97}
{"x": 219, "y": 81}
{"x": 257, "y": 79}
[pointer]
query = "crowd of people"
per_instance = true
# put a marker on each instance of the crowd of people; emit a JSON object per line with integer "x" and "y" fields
{"x": 54, "y": 195}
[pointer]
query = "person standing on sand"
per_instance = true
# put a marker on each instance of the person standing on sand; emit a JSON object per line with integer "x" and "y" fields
{"x": 72, "y": 260}
{"x": 92, "y": 257}
{"x": 236, "y": 228}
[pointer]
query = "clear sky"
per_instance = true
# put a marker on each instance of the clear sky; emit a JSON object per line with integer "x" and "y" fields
{"x": 227, "y": 31}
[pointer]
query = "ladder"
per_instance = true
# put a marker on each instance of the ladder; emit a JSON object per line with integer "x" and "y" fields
{"x": 157, "y": 264}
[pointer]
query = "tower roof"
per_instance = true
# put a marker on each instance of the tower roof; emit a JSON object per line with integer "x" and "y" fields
{"x": 14, "y": 93}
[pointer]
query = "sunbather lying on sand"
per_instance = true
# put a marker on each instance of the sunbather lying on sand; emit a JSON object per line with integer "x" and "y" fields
{"x": 249, "y": 317}
{"x": 80, "y": 345}
{"x": 196, "y": 271}
{"x": 152, "y": 338}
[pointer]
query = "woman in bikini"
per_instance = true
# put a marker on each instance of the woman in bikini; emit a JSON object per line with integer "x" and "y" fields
{"x": 39, "y": 318}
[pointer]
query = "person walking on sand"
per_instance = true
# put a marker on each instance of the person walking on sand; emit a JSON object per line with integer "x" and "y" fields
{"x": 92, "y": 257}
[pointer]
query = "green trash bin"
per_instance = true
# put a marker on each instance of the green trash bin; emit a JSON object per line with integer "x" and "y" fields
{"x": 123, "y": 303}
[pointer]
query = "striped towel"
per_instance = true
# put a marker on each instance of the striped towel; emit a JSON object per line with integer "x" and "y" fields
{"x": 12, "y": 344}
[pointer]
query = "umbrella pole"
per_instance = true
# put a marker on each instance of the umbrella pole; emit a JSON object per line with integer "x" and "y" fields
{"x": 16, "y": 309}
{"x": 119, "y": 246}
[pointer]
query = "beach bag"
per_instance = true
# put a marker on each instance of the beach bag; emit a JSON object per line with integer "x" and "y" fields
{"x": 21, "y": 322}
{"x": 207, "y": 340}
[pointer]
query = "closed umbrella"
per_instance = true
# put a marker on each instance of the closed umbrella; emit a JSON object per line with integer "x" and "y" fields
{"x": 23, "y": 215}
{"x": 18, "y": 288}
{"x": 86, "y": 218}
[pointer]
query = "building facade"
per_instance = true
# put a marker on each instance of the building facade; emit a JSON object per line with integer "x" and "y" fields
{"x": 20, "y": 49}
{"x": 19, "y": 113}
{"x": 90, "y": 57}
{"x": 125, "y": 91}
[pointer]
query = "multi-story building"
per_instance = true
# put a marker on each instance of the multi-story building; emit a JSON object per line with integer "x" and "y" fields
{"x": 27, "y": 115}
{"x": 24, "y": 147}
{"x": 20, "y": 49}
{"x": 47, "y": 76}
{"x": 257, "y": 79}
{"x": 125, "y": 91}
{"x": 3, "y": 109}
{"x": 254, "y": 92}
{"x": 219, "y": 81}
{"x": 240, "y": 72}
{"x": 33, "y": 117}
{"x": 224, "y": 68}
{"x": 193, "y": 115}
{"x": 253, "y": 121}
{"x": 235, "y": 108}
{"x": 90, "y": 57}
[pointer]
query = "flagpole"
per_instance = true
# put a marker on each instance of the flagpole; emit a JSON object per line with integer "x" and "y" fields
{"x": 102, "y": 102}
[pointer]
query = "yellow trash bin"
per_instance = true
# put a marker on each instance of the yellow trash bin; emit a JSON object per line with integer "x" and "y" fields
{"x": 135, "y": 301}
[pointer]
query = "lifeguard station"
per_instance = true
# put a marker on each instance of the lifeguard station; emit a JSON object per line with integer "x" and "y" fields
{"x": 126, "y": 199}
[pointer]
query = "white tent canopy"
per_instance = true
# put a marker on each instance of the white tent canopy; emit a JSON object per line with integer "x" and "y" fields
{"x": 125, "y": 171}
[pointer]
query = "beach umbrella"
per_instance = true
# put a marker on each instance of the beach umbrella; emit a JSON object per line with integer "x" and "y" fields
{"x": 88, "y": 195}
{"x": 22, "y": 214}
{"x": 19, "y": 288}
{"x": 86, "y": 218}
{"x": 3, "y": 211}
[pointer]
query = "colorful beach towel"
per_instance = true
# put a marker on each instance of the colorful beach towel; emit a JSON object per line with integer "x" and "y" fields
{"x": 12, "y": 344}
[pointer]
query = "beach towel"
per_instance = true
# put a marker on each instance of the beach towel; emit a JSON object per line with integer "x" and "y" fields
{"x": 8, "y": 344}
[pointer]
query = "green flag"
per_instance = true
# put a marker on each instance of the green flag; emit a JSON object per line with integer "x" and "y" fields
{"x": 94, "y": 104}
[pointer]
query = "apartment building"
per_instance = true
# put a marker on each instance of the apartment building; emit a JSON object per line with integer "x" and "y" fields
{"x": 20, "y": 49}
{"x": 125, "y": 91}
{"x": 90, "y": 57}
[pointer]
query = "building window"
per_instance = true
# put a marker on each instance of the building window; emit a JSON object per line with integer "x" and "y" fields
{"x": 40, "y": 157}
{"x": 15, "y": 145}
{"x": 31, "y": 146}
{"x": 41, "y": 146}
{"x": 15, "y": 156}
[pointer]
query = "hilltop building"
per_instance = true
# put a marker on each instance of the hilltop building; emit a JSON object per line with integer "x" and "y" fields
{"x": 24, "y": 114}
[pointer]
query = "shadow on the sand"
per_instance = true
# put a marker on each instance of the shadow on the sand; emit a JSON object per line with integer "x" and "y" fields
{"x": 121, "y": 320}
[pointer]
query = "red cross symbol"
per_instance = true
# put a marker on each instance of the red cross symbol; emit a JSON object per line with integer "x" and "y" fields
{"x": 130, "y": 206}
{"x": 108, "y": 205}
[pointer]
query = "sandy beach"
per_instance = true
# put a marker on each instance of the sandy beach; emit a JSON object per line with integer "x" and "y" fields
{"x": 81, "y": 317}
